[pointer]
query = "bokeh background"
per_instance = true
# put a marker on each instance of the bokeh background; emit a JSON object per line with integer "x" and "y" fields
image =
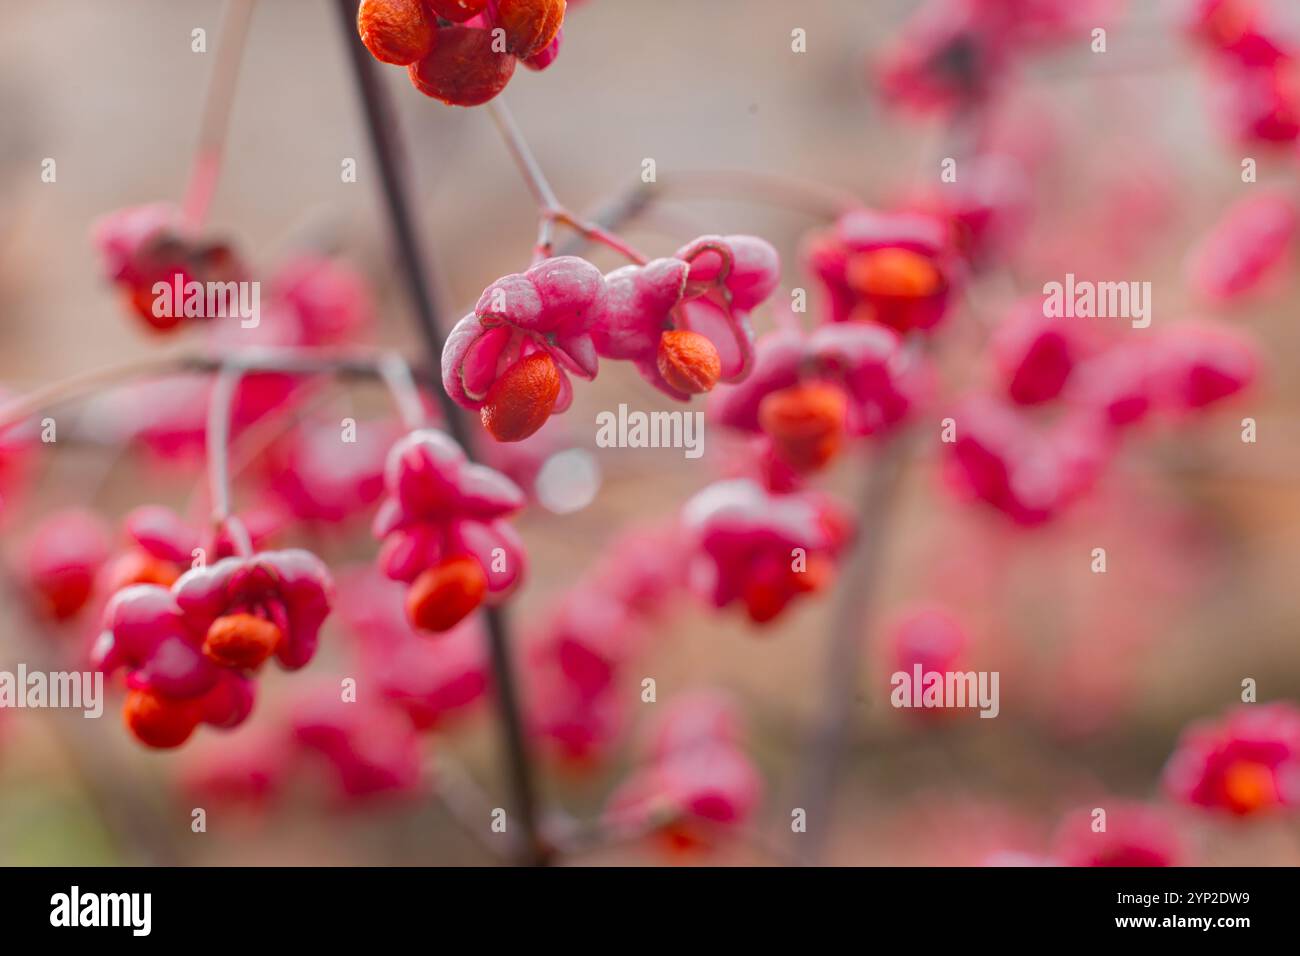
{"x": 1100, "y": 673}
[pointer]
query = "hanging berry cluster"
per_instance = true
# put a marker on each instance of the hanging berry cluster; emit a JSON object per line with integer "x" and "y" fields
{"x": 462, "y": 52}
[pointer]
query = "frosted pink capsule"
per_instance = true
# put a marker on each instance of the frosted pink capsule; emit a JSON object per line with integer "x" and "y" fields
{"x": 587, "y": 637}
{"x": 707, "y": 287}
{"x": 549, "y": 310}
{"x": 441, "y": 508}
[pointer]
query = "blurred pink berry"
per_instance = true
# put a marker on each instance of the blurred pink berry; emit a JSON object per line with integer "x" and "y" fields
{"x": 808, "y": 391}
{"x": 761, "y": 550}
{"x": 1135, "y": 835}
{"x": 248, "y": 771}
{"x": 161, "y": 548}
{"x": 1026, "y": 471}
{"x": 433, "y": 682}
{"x": 947, "y": 58}
{"x": 1034, "y": 355}
{"x": 370, "y": 749}
{"x": 1248, "y": 244}
{"x": 1259, "y": 105}
{"x": 1116, "y": 384}
{"x": 587, "y": 636}
{"x": 330, "y": 300}
{"x": 143, "y": 245}
{"x": 1201, "y": 363}
{"x": 319, "y": 478}
{"x": 576, "y": 728}
{"x": 62, "y": 558}
{"x": 1239, "y": 29}
{"x": 1247, "y": 762}
{"x": 896, "y": 269}
{"x": 698, "y": 782}
{"x": 930, "y": 636}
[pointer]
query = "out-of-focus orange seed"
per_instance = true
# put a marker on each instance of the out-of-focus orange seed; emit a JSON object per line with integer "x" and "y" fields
{"x": 444, "y": 595}
{"x": 396, "y": 31}
{"x": 805, "y": 423}
{"x": 894, "y": 272}
{"x": 689, "y": 362}
{"x": 137, "y": 567}
{"x": 1249, "y": 786}
{"x": 520, "y": 401}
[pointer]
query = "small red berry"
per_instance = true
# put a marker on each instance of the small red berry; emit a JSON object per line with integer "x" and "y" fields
{"x": 689, "y": 362}
{"x": 241, "y": 640}
{"x": 520, "y": 401}
{"x": 158, "y": 721}
{"x": 396, "y": 31}
{"x": 444, "y": 595}
{"x": 462, "y": 69}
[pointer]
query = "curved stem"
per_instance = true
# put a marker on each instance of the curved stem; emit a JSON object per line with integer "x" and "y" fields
{"x": 593, "y": 232}
{"x": 550, "y": 210}
{"x": 220, "y": 406}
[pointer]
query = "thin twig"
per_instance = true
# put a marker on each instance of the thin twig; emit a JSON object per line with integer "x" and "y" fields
{"x": 352, "y": 363}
